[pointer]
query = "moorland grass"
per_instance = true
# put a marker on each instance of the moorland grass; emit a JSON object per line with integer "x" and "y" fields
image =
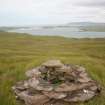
{"x": 20, "y": 52}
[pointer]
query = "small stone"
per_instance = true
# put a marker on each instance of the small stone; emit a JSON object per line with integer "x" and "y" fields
{"x": 55, "y": 95}
{"x": 13, "y": 87}
{"x": 44, "y": 88}
{"x": 85, "y": 91}
{"x": 80, "y": 96}
{"x": 94, "y": 88}
{"x": 33, "y": 73}
{"x": 21, "y": 86}
{"x": 81, "y": 69}
{"x": 71, "y": 87}
{"x": 38, "y": 99}
{"x": 53, "y": 63}
{"x": 33, "y": 82}
{"x": 65, "y": 69}
{"x": 84, "y": 80}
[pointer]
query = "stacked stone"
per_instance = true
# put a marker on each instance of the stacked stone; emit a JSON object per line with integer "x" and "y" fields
{"x": 56, "y": 83}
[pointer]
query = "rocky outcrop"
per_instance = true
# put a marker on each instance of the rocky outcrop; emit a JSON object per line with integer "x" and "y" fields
{"x": 56, "y": 83}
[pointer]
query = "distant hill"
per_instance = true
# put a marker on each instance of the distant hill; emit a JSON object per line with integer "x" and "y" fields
{"x": 88, "y": 26}
{"x": 85, "y": 23}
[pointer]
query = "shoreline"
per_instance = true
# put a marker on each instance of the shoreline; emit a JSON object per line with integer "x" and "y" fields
{"x": 64, "y": 36}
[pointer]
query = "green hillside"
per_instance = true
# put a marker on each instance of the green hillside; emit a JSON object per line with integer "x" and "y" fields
{"x": 20, "y": 52}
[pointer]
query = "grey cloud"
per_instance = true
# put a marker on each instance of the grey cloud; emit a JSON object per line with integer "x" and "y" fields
{"x": 92, "y": 3}
{"x": 49, "y": 12}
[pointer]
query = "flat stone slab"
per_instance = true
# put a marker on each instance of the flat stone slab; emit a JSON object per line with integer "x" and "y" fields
{"x": 53, "y": 63}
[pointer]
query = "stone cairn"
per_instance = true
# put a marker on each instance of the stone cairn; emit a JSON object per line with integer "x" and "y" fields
{"x": 54, "y": 83}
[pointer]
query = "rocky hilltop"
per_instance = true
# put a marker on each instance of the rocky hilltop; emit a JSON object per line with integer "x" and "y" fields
{"x": 55, "y": 83}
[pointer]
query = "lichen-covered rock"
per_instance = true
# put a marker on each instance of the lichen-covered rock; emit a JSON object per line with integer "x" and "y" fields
{"x": 56, "y": 83}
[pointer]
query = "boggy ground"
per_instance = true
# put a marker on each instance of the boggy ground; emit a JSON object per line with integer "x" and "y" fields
{"x": 21, "y": 52}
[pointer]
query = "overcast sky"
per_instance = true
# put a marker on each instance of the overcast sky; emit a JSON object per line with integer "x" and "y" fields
{"x": 34, "y": 12}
